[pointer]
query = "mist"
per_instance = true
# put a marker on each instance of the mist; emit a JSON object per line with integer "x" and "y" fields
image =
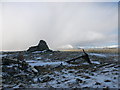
{"x": 60, "y": 24}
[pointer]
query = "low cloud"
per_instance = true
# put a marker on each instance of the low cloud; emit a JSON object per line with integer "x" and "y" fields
{"x": 60, "y": 24}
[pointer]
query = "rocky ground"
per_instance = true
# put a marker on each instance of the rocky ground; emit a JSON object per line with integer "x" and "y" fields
{"x": 49, "y": 70}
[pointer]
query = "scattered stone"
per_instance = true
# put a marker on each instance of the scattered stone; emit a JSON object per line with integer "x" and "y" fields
{"x": 58, "y": 82}
{"x": 6, "y": 61}
{"x": 63, "y": 76}
{"x": 85, "y": 87}
{"x": 104, "y": 71}
{"x": 92, "y": 74}
{"x": 94, "y": 70}
{"x": 116, "y": 73}
{"x": 38, "y": 79}
{"x": 12, "y": 71}
{"x": 46, "y": 79}
{"x": 97, "y": 83}
{"x": 86, "y": 77}
{"x": 116, "y": 66}
{"x": 106, "y": 88}
{"x": 107, "y": 81}
{"x": 81, "y": 75}
{"x": 70, "y": 71}
{"x": 79, "y": 80}
{"x": 21, "y": 86}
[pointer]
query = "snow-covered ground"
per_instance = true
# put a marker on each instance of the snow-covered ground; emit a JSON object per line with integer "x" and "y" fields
{"x": 65, "y": 79}
{"x": 53, "y": 71}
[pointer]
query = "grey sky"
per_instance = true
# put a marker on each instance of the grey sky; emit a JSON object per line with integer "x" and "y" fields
{"x": 60, "y": 24}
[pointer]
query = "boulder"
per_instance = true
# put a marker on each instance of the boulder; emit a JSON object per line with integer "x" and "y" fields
{"x": 40, "y": 47}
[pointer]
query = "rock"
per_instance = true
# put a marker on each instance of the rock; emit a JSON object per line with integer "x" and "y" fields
{"x": 39, "y": 68}
{"x": 7, "y": 61}
{"x": 86, "y": 77}
{"x": 107, "y": 81}
{"x": 32, "y": 49}
{"x": 85, "y": 87}
{"x": 58, "y": 82}
{"x": 12, "y": 71}
{"x": 79, "y": 80}
{"x": 104, "y": 71}
{"x": 92, "y": 74}
{"x": 21, "y": 86}
{"x": 97, "y": 83}
{"x": 34, "y": 70}
{"x": 38, "y": 80}
{"x": 106, "y": 88}
{"x": 70, "y": 71}
{"x": 20, "y": 56}
{"x": 64, "y": 77}
{"x": 5, "y": 75}
{"x": 46, "y": 79}
{"x": 40, "y": 47}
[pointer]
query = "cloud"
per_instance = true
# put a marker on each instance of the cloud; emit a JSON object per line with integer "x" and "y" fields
{"x": 66, "y": 47}
{"x": 59, "y": 0}
{"x": 60, "y": 24}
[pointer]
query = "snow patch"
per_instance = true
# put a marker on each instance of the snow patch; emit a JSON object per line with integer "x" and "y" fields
{"x": 99, "y": 55}
{"x": 41, "y": 63}
{"x": 95, "y": 62}
{"x": 38, "y": 58}
{"x": 3, "y": 55}
{"x": 39, "y": 51}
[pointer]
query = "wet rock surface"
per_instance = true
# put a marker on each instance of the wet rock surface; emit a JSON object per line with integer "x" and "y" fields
{"x": 43, "y": 70}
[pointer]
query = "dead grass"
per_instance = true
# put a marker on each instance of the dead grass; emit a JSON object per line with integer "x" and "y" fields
{"x": 103, "y": 50}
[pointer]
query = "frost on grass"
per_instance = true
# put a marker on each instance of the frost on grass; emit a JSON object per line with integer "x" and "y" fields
{"x": 49, "y": 70}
